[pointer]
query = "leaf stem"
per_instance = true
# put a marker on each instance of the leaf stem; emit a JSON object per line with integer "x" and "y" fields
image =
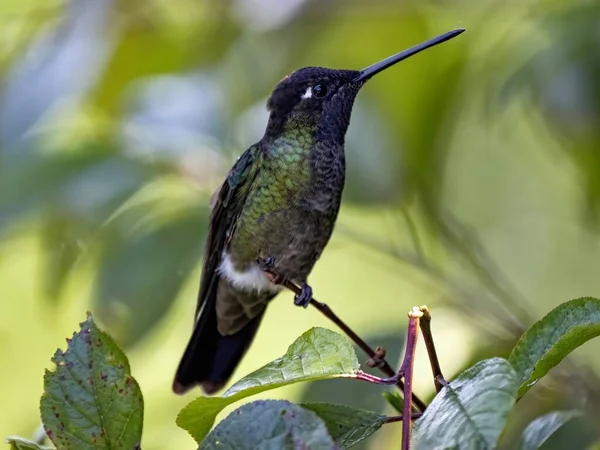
{"x": 39, "y": 437}
{"x": 425, "y": 323}
{"x": 381, "y": 363}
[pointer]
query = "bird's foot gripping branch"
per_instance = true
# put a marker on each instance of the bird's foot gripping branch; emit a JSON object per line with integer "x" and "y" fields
{"x": 92, "y": 400}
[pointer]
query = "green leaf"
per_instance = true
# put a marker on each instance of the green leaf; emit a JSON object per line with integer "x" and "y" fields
{"x": 273, "y": 424}
{"x": 470, "y": 412}
{"x": 395, "y": 400}
{"x": 61, "y": 236}
{"x": 28, "y": 182}
{"x": 91, "y": 400}
{"x": 540, "y": 429}
{"x": 148, "y": 233}
{"x": 365, "y": 396}
{"x": 347, "y": 425}
{"x": 19, "y": 443}
{"x": 59, "y": 184}
{"x": 547, "y": 342}
{"x": 318, "y": 354}
{"x": 133, "y": 291}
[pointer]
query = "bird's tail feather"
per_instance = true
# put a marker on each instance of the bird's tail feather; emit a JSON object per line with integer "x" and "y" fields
{"x": 210, "y": 358}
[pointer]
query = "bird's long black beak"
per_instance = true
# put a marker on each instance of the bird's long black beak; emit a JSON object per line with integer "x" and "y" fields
{"x": 374, "y": 69}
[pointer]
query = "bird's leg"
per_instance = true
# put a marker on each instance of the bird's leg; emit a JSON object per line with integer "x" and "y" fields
{"x": 267, "y": 264}
{"x": 303, "y": 299}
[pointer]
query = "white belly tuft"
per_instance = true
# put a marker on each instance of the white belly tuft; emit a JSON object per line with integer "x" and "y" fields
{"x": 252, "y": 279}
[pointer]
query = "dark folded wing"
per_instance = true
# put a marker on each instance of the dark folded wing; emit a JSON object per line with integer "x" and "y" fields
{"x": 228, "y": 204}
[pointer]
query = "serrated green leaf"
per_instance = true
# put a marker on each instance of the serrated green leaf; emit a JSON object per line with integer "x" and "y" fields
{"x": 347, "y": 425}
{"x": 19, "y": 443}
{"x": 273, "y": 424}
{"x": 318, "y": 354}
{"x": 539, "y": 430}
{"x": 547, "y": 342}
{"x": 471, "y": 412}
{"x": 366, "y": 396}
{"x": 91, "y": 400}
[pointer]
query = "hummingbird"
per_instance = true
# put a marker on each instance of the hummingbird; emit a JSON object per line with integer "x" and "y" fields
{"x": 275, "y": 212}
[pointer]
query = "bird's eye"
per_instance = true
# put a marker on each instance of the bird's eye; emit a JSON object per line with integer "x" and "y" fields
{"x": 319, "y": 90}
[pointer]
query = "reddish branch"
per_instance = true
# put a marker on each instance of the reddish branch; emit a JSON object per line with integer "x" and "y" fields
{"x": 406, "y": 372}
{"x": 376, "y": 357}
{"x": 418, "y": 318}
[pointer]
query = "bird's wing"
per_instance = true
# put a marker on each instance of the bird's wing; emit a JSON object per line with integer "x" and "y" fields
{"x": 226, "y": 204}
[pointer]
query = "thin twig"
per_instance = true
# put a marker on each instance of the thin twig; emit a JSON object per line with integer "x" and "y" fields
{"x": 393, "y": 419}
{"x": 466, "y": 241}
{"x": 407, "y": 370}
{"x": 382, "y": 364}
{"x": 425, "y": 323}
{"x": 429, "y": 268}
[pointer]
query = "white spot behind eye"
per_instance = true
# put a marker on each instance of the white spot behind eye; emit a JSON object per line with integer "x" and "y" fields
{"x": 308, "y": 93}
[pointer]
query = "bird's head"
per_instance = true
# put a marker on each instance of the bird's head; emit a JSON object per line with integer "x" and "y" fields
{"x": 320, "y": 100}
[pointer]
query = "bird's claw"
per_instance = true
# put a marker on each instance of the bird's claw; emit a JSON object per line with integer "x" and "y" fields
{"x": 267, "y": 263}
{"x": 305, "y": 296}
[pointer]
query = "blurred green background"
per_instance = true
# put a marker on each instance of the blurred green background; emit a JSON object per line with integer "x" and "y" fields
{"x": 473, "y": 183}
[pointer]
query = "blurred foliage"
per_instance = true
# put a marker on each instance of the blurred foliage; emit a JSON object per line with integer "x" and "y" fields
{"x": 473, "y": 177}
